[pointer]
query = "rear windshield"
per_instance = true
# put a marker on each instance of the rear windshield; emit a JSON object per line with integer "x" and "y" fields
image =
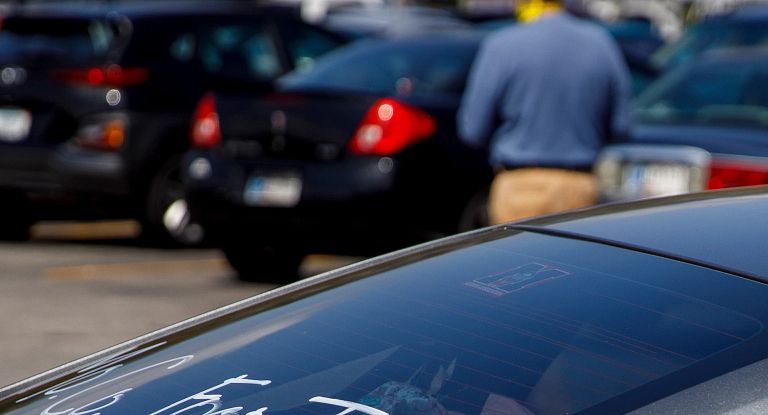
{"x": 526, "y": 324}
{"x": 709, "y": 36}
{"x": 55, "y": 40}
{"x": 240, "y": 50}
{"x": 257, "y": 49}
{"x": 390, "y": 67}
{"x": 720, "y": 93}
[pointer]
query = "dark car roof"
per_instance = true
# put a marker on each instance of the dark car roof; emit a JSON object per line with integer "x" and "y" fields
{"x": 392, "y": 20}
{"x": 145, "y": 9}
{"x": 696, "y": 227}
{"x": 430, "y": 38}
{"x": 743, "y": 14}
{"x": 330, "y": 73}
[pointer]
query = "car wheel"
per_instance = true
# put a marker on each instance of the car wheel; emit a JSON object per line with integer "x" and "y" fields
{"x": 264, "y": 264}
{"x": 475, "y": 213}
{"x": 167, "y": 218}
{"x": 15, "y": 216}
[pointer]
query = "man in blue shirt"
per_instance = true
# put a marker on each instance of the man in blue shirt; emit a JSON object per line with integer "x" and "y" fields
{"x": 545, "y": 96}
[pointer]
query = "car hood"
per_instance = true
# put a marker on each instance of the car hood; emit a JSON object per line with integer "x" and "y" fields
{"x": 690, "y": 227}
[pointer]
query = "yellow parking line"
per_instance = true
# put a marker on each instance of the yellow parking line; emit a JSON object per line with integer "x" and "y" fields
{"x": 86, "y": 230}
{"x": 154, "y": 269}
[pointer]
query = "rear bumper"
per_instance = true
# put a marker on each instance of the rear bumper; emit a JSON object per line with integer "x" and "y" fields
{"x": 63, "y": 169}
{"x": 639, "y": 171}
{"x": 357, "y": 206}
{"x": 54, "y": 163}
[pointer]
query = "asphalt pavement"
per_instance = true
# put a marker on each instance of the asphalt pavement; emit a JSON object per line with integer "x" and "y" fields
{"x": 78, "y": 288}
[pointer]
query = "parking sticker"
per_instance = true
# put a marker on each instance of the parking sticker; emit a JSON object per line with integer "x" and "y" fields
{"x": 517, "y": 279}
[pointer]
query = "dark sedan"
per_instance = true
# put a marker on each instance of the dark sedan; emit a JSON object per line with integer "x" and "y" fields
{"x": 357, "y": 155}
{"x": 702, "y": 126}
{"x": 95, "y": 100}
{"x": 623, "y": 309}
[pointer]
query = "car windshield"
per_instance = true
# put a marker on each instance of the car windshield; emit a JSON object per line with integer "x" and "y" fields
{"x": 54, "y": 41}
{"x": 400, "y": 67}
{"x": 523, "y": 324}
{"x": 726, "y": 93}
{"x": 709, "y": 36}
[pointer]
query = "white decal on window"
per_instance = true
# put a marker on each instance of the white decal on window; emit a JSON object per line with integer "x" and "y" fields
{"x": 88, "y": 409}
{"x": 208, "y": 399}
{"x": 351, "y": 406}
{"x": 90, "y": 373}
{"x": 95, "y": 406}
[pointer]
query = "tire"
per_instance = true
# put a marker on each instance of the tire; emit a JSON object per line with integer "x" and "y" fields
{"x": 15, "y": 216}
{"x": 475, "y": 213}
{"x": 264, "y": 264}
{"x": 167, "y": 219}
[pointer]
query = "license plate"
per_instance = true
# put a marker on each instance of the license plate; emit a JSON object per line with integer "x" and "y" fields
{"x": 650, "y": 180}
{"x": 14, "y": 124}
{"x": 274, "y": 189}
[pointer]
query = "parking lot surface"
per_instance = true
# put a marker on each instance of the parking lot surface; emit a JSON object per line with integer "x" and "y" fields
{"x": 64, "y": 295}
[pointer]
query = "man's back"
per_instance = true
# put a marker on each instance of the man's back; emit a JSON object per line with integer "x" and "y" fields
{"x": 547, "y": 93}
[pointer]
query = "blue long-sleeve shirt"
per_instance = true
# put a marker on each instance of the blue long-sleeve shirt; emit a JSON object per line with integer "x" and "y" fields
{"x": 546, "y": 93}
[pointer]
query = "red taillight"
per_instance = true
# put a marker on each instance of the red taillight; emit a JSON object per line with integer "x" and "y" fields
{"x": 111, "y": 75}
{"x": 728, "y": 173}
{"x": 390, "y": 126}
{"x": 205, "y": 123}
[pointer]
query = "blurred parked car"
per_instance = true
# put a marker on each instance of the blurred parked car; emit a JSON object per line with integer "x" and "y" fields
{"x": 616, "y": 310}
{"x": 317, "y": 10}
{"x": 637, "y": 37}
{"x": 701, "y": 126}
{"x": 392, "y": 20}
{"x": 744, "y": 26}
{"x": 357, "y": 155}
{"x": 638, "y": 40}
{"x": 95, "y": 101}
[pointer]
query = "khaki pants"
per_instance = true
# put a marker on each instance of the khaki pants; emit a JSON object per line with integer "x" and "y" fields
{"x": 525, "y": 192}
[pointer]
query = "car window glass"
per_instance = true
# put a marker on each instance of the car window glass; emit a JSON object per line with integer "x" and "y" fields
{"x": 705, "y": 37}
{"x": 54, "y": 41}
{"x": 152, "y": 42}
{"x": 240, "y": 50}
{"x": 306, "y": 43}
{"x": 525, "y": 324}
{"x": 715, "y": 93}
{"x": 398, "y": 67}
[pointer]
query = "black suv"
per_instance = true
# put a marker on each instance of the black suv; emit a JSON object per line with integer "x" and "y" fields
{"x": 96, "y": 102}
